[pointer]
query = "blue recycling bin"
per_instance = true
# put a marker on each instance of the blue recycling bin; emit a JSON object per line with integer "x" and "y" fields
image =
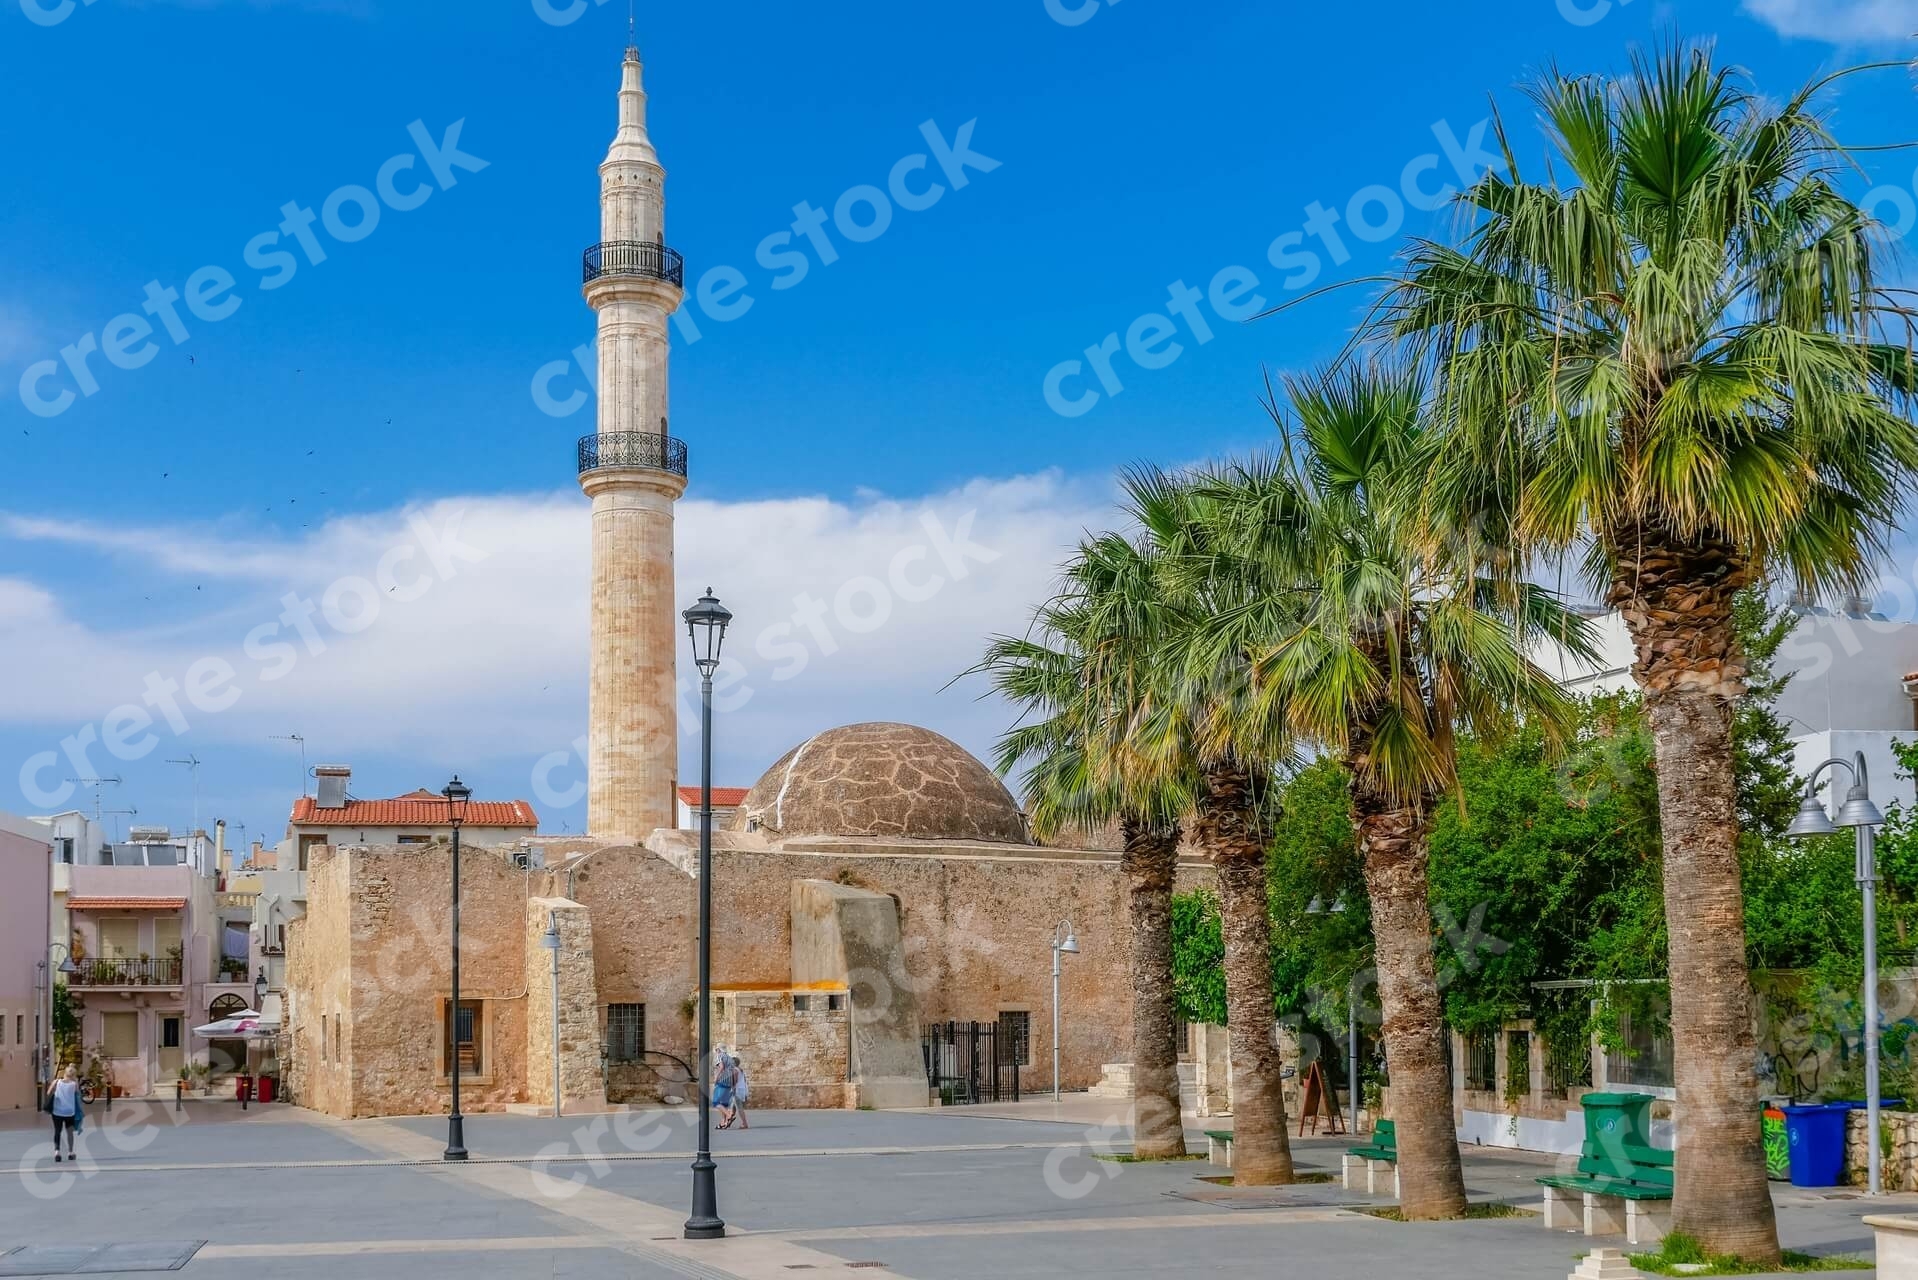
{"x": 1816, "y": 1135}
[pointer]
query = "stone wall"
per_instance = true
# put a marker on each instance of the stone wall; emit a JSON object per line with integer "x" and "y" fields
{"x": 1899, "y": 1170}
{"x": 976, "y": 925}
{"x": 810, "y": 1047}
{"x": 579, "y": 1026}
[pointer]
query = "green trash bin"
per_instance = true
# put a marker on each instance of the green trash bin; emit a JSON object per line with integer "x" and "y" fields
{"x": 1612, "y": 1119}
{"x": 1777, "y": 1146}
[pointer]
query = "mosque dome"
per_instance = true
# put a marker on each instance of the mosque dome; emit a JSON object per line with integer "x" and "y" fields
{"x": 882, "y": 780}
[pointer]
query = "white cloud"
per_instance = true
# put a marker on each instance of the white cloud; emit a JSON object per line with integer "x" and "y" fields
{"x": 1838, "y": 22}
{"x": 490, "y": 660}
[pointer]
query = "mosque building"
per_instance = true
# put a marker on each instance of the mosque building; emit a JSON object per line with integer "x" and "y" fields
{"x": 875, "y": 885}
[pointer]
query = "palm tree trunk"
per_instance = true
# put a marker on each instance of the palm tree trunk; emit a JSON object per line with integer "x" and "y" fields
{"x": 1228, "y": 828}
{"x": 1677, "y": 604}
{"x": 1150, "y": 862}
{"x": 1392, "y": 844}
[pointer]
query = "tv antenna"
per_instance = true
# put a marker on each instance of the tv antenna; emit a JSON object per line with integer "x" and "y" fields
{"x": 98, "y": 785}
{"x": 294, "y": 737}
{"x": 192, "y": 763}
{"x": 130, "y": 811}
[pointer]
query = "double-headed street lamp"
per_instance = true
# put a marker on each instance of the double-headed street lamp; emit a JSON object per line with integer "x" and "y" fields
{"x": 457, "y": 794}
{"x": 706, "y": 624}
{"x": 1065, "y": 942}
{"x": 1860, "y": 814}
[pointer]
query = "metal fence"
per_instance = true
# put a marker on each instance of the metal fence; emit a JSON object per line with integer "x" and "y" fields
{"x": 969, "y": 1062}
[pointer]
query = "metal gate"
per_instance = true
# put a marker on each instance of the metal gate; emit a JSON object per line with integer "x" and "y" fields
{"x": 969, "y": 1062}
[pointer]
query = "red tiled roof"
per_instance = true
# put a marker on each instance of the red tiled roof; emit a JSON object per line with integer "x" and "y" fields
{"x": 125, "y": 904}
{"x": 419, "y": 809}
{"x": 723, "y": 797}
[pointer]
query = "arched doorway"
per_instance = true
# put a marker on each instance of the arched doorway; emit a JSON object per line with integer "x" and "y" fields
{"x": 226, "y": 1056}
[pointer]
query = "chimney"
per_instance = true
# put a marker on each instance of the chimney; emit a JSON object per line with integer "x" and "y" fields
{"x": 253, "y": 854}
{"x": 219, "y": 847}
{"x": 332, "y": 785}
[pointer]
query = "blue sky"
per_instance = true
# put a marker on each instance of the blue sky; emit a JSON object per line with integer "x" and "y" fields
{"x": 161, "y": 519}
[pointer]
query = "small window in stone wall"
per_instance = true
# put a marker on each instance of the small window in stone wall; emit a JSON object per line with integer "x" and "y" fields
{"x": 323, "y": 1043}
{"x": 802, "y": 1004}
{"x": 835, "y": 1003}
{"x": 625, "y": 1032}
{"x": 1015, "y": 1037}
{"x": 469, "y": 1036}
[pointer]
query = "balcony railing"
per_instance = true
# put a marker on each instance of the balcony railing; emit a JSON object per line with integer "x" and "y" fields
{"x": 125, "y": 973}
{"x": 632, "y": 449}
{"x": 635, "y": 258}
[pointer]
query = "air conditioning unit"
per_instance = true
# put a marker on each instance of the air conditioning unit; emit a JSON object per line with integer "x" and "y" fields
{"x": 530, "y": 858}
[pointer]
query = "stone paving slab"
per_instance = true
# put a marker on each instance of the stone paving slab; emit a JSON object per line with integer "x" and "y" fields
{"x": 97, "y": 1260}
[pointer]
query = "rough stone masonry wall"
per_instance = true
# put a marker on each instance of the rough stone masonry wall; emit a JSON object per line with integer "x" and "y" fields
{"x": 579, "y": 1020}
{"x": 319, "y": 979}
{"x": 762, "y": 1027}
{"x": 1899, "y": 1170}
{"x": 977, "y": 927}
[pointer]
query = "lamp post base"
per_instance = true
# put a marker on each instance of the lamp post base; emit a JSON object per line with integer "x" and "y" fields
{"x": 455, "y": 1138}
{"x": 705, "y": 1224}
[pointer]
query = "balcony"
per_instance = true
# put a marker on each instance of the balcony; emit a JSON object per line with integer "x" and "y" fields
{"x": 641, "y": 258}
{"x": 632, "y": 449}
{"x": 126, "y": 973}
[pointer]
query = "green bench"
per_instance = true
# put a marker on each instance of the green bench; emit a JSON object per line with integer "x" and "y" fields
{"x": 1621, "y": 1185}
{"x": 1218, "y": 1147}
{"x": 1376, "y": 1158}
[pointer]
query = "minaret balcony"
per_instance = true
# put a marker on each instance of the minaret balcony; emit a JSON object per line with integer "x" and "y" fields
{"x": 632, "y": 449}
{"x": 643, "y": 258}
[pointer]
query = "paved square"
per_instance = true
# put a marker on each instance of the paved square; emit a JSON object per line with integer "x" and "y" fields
{"x": 1010, "y": 1193}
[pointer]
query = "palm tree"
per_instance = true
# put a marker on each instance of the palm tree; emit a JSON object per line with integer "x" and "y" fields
{"x": 1076, "y": 677}
{"x": 1402, "y": 642}
{"x": 1675, "y": 358}
{"x": 1206, "y": 722}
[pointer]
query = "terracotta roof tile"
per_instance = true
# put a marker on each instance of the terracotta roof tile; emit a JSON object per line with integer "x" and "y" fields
{"x": 723, "y": 797}
{"x": 420, "y": 809}
{"x": 118, "y": 903}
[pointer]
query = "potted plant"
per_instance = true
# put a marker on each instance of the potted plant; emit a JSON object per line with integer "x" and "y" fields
{"x": 146, "y": 969}
{"x": 176, "y": 956}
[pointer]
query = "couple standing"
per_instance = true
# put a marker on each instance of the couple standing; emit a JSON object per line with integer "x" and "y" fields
{"x": 729, "y": 1088}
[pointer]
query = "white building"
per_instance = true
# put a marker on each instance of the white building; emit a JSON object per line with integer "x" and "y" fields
{"x": 1853, "y": 687}
{"x": 726, "y": 802}
{"x": 419, "y": 817}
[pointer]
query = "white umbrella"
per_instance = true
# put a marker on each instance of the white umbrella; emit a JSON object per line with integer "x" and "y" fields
{"x": 244, "y": 1023}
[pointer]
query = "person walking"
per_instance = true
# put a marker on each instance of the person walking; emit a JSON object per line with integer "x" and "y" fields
{"x": 729, "y": 1082}
{"x": 63, "y": 1100}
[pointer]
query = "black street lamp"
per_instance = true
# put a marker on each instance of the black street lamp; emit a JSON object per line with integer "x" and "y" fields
{"x": 706, "y": 623}
{"x": 457, "y": 794}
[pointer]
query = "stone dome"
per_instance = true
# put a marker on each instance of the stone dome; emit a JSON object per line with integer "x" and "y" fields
{"x": 882, "y": 780}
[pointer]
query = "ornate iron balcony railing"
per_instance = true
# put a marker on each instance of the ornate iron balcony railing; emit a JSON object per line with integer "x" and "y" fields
{"x": 632, "y": 449}
{"x": 126, "y": 973}
{"x": 635, "y": 258}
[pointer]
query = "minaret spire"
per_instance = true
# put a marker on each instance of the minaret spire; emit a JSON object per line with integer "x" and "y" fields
{"x": 633, "y": 470}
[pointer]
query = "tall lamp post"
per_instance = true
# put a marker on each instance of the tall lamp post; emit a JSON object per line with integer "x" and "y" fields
{"x": 1860, "y": 814}
{"x": 550, "y": 941}
{"x": 706, "y": 624}
{"x": 457, "y": 794}
{"x": 1065, "y": 942}
{"x": 66, "y": 966}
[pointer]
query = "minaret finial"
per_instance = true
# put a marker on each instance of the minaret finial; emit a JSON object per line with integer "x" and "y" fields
{"x": 632, "y": 27}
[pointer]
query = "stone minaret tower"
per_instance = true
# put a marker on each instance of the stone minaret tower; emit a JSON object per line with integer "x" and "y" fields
{"x": 634, "y": 471}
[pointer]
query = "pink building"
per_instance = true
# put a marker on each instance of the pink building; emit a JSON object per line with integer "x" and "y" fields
{"x": 146, "y": 952}
{"x": 26, "y": 900}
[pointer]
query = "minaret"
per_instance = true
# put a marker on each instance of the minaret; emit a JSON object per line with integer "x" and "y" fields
{"x": 634, "y": 471}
